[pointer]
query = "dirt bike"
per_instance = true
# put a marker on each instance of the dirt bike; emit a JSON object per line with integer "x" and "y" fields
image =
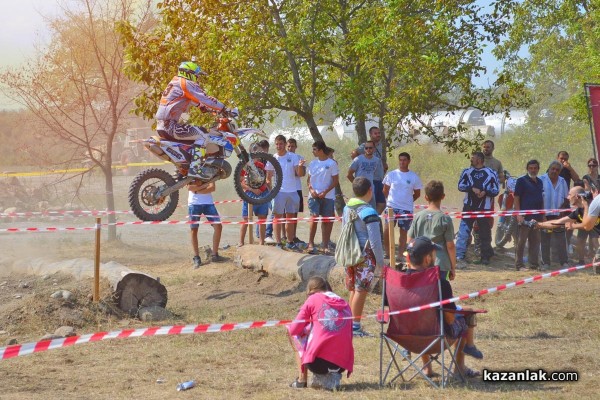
{"x": 154, "y": 193}
{"x": 507, "y": 228}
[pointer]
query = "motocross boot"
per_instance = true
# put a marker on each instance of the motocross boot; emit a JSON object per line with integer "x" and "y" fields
{"x": 197, "y": 168}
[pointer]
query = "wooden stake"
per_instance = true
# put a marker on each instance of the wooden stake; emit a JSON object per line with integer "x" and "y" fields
{"x": 250, "y": 226}
{"x": 96, "y": 297}
{"x": 392, "y": 238}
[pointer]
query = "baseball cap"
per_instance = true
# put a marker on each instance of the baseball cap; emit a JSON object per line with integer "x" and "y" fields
{"x": 421, "y": 246}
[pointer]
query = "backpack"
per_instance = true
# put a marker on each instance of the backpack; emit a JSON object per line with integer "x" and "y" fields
{"x": 348, "y": 251}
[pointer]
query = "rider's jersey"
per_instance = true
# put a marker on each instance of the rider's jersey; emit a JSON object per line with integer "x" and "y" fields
{"x": 179, "y": 95}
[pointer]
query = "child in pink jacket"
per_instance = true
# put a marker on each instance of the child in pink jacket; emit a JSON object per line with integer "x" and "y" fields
{"x": 323, "y": 343}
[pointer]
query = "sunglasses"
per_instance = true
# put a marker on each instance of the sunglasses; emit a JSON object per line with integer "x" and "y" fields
{"x": 592, "y": 165}
{"x": 369, "y": 148}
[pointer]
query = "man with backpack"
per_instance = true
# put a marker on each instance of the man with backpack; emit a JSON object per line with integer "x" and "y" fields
{"x": 359, "y": 248}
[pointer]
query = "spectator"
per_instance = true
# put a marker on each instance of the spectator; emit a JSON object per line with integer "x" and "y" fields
{"x": 286, "y": 202}
{"x": 292, "y": 145}
{"x": 200, "y": 202}
{"x": 590, "y": 180}
{"x": 567, "y": 172}
{"x": 590, "y": 221}
{"x": 529, "y": 195}
{"x": 437, "y": 226}
{"x": 261, "y": 210}
{"x": 401, "y": 188}
{"x": 491, "y": 162}
{"x": 422, "y": 255}
{"x": 480, "y": 185}
{"x": 375, "y": 136}
{"x": 592, "y": 177}
{"x": 323, "y": 177}
{"x": 573, "y": 219}
{"x": 263, "y": 146}
{"x": 368, "y": 229}
{"x": 323, "y": 340}
{"x": 555, "y": 196}
{"x": 366, "y": 165}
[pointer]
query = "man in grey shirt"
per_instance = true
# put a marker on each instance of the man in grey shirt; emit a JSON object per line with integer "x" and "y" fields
{"x": 375, "y": 135}
{"x": 367, "y": 166}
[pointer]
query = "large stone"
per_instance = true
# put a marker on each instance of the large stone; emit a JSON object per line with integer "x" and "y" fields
{"x": 153, "y": 313}
{"x": 50, "y": 336}
{"x": 65, "y": 331}
{"x": 284, "y": 263}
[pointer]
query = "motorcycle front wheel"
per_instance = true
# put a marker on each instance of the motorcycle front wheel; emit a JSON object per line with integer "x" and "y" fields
{"x": 257, "y": 179}
{"x": 505, "y": 231}
{"x": 142, "y": 195}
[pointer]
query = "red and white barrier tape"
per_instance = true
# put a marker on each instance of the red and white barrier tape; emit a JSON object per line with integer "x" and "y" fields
{"x": 18, "y": 350}
{"x": 458, "y": 215}
{"x": 498, "y": 288}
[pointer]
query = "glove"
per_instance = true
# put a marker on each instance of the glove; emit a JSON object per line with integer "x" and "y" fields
{"x": 233, "y": 112}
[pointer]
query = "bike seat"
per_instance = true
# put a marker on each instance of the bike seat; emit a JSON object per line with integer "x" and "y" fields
{"x": 166, "y": 136}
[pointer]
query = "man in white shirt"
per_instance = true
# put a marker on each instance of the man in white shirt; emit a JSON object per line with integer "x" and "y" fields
{"x": 200, "y": 202}
{"x": 323, "y": 177}
{"x": 401, "y": 188}
{"x": 556, "y": 195}
{"x": 286, "y": 203}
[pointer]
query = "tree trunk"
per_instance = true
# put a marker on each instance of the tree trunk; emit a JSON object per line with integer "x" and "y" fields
{"x": 110, "y": 200}
{"x": 312, "y": 127}
{"x": 361, "y": 130}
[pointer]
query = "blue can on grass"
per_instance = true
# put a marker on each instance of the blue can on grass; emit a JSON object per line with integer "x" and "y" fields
{"x": 186, "y": 385}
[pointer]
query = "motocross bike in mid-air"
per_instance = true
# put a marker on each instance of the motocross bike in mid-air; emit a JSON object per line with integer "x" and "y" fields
{"x": 507, "y": 228}
{"x": 154, "y": 193}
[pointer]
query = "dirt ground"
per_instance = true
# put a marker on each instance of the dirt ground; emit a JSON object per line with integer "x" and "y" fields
{"x": 552, "y": 324}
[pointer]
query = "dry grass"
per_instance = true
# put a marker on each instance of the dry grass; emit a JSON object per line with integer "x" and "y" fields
{"x": 551, "y": 324}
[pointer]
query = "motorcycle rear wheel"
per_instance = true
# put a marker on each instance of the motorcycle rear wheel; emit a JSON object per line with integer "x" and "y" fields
{"x": 141, "y": 197}
{"x": 277, "y": 179}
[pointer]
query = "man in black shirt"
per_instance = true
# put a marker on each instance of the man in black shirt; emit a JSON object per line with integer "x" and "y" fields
{"x": 575, "y": 217}
{"x": 567, "y": 172}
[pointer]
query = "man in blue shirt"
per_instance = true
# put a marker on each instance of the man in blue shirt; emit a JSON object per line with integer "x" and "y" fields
{"x": 529, "y": 192}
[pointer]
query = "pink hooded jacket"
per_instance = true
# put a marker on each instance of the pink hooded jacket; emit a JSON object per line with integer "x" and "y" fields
{"x": 331, "y": 339}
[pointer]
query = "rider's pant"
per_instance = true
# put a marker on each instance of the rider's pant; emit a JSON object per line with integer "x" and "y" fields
{"x": 184, "y": 131}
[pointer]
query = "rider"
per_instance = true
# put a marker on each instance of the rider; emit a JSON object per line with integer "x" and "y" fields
{"x": 182, "y": 92}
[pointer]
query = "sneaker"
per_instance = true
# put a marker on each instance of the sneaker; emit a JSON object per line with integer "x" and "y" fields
{"x": 522, "y": 268}
{"x": 298, "y": 385}
{"x": 270, "y": 240}
{"x": 545, "y": 267}
{"x": 197, "y": 262}
{"x": 473, "y": 351}
{"x": 291, "y": 247}
{"x": 566, "y": 265}
{"x": 217, "y": 258}
{"x": 278, "y": 245}
{"x": 461, "y": 263}
{"x": 298, "y": 241}
{"x": 360, "y": 333}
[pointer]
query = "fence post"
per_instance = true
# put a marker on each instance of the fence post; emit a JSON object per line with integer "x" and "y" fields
{"x": 392, "y": 238}
{"x": 96, "y": 296}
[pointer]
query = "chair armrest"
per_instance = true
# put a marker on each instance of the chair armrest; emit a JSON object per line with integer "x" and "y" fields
{"x": 464, "y": 312}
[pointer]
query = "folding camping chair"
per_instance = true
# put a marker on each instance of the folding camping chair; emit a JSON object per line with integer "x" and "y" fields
{"x": 411, "y": 335}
